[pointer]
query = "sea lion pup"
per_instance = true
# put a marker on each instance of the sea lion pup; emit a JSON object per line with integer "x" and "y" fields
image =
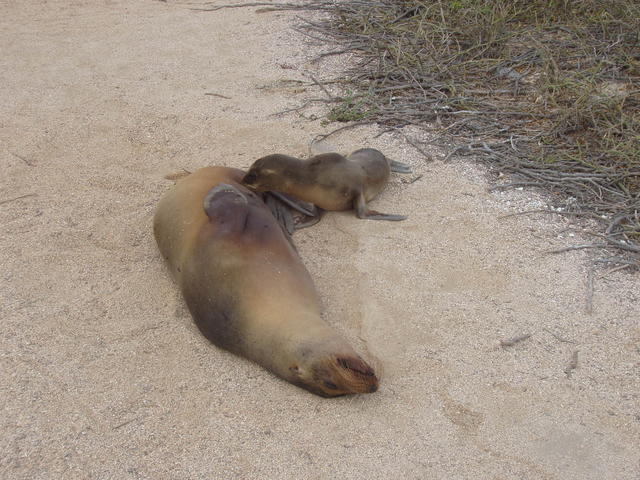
{"x": 329, "y": 180}
{"x": 246, "y": 287}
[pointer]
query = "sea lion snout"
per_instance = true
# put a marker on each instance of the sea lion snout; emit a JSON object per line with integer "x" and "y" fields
{"x": 357, "y": 365}
{"x": 358, "y": 375}
{"x": 343, "y": 375}
{"x": 250, "y": 178}
{"x": 258, "y": 179}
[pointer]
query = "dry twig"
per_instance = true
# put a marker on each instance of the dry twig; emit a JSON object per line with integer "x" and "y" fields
{"x": 549, "y": 94}
{"x": 514, "y": 340}
{"x": 573, "y": 364}
{"x": 24, "y": 159}
{"x": 18, "y": 198}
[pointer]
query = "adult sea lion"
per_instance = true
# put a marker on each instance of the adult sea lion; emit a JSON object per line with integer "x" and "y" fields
{"x": 246, "y": 287}
{"x": 329, "y": 180}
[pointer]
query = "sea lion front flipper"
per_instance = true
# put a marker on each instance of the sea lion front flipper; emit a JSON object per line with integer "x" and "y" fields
{"x": 399, "y": 167}
{"x": 308, "y": 209}
{"x": 281, "y": 212}
{"x": 362, "y": 211}
{"x": 281, "y": 205}
{"x": 311, "y": 220}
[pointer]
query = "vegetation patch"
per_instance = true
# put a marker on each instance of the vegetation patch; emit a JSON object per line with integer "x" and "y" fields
{"x": 546, "y": 90}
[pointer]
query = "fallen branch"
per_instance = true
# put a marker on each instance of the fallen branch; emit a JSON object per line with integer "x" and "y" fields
{"x": 514, "y": 340}
{"x": 18, "y": 198}
{"x": 573, "y": 364}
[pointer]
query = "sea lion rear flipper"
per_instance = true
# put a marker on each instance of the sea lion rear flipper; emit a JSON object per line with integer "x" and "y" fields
{"x": 227, "y": 206}
{"x": 362, "y": 211}
{"x": 399, "y": 167}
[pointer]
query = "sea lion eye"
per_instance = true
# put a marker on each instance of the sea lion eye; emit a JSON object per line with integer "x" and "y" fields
{"x": 330, "y": 385}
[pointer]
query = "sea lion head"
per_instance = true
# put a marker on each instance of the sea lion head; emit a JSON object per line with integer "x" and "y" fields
{"x": 269, "y": 173}
{"x": 332, "y": 375}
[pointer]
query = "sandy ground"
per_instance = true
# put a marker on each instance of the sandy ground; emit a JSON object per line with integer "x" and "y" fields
{"x": 104, "y": 375}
